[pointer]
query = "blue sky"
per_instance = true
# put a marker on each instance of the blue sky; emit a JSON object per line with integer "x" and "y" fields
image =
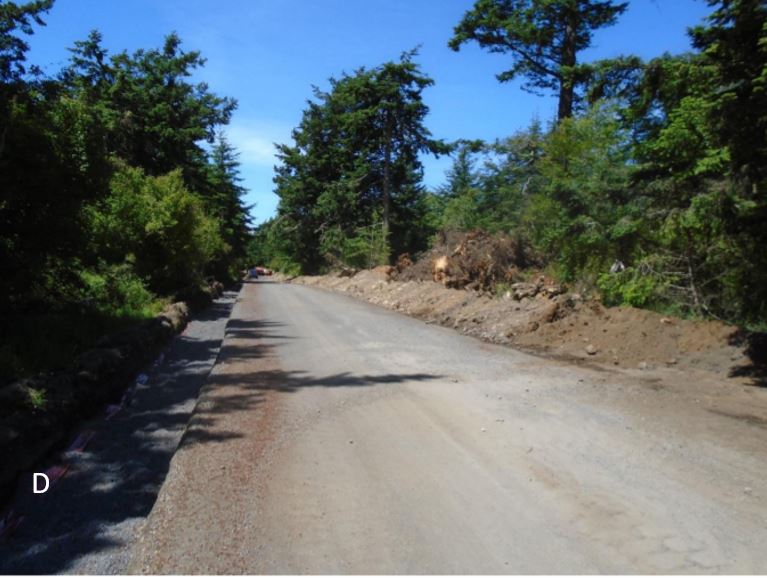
{"x": 268, "y": 53}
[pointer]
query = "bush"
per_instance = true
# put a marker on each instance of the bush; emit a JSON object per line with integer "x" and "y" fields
{"x": 159, "y": 226}
{"x": 118, "y": 290}
{"x": 632, "y": 287}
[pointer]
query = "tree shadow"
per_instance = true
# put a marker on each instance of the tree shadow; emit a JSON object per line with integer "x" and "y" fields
{"x": 94, "y": 511}
{"x": 755, "y": 348}
{"x": 252, "y": 388}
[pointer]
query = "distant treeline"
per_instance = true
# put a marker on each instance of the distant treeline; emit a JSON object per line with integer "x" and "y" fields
{"x": 658, "y": 168}
{"x": 117, "y": 191}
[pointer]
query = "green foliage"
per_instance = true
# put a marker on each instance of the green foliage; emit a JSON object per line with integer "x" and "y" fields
{"x": 367, "y": 247}
{"x": 159, "y": 226}
{"x": 735, "y": 43}
{"x": 109, "y": 202}
{"x": 224, "y": 201}
{"x": 355, "y": 156}
{"x": 37, "y": 398}
{"x": 543, "y": 38}
{"x": 635, "y": 286}
{"x": 155, "y": 118}
{"x": 14, "y": 18}
{"x": 668, "y": 178}
{"x": 118, "y": 290}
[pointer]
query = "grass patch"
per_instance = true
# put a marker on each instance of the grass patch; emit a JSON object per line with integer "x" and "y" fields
{"x": 37, "y": 398}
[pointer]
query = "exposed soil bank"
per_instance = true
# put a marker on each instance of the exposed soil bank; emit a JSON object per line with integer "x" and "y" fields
{"x": 540, "y": 318}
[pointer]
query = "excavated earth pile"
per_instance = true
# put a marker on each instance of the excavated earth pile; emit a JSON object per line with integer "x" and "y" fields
{"x": 540, "y": 316}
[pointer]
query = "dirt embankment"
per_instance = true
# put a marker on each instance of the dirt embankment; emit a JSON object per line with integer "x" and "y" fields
{"x": 449, "y": 286}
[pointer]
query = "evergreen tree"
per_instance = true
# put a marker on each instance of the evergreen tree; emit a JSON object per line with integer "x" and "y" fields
{"x": 15, "y": 18}
{"x": 735, "y": 43}
{"x": 543, "y": 37}
{"x": 226, "y": 201}
{"x": 355, "y": 161}
{"x": 155, "y": 116}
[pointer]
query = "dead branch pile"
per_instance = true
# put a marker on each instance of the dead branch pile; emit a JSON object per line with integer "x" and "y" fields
{"x": 475, "y": 260}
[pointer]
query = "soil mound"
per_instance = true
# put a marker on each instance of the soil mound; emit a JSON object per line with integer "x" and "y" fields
{"x": 542, "y": 317}
{"x": 475, "y": 260}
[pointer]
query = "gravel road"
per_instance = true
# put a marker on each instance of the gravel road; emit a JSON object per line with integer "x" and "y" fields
{"x": 87, "y": 522}
{"x": 337, "y": 437}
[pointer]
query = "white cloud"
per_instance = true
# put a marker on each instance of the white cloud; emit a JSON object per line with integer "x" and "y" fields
{"x": 255, "y": 142}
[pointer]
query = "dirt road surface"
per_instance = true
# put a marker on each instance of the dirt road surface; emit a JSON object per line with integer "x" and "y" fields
{"x": 337, "y": 437}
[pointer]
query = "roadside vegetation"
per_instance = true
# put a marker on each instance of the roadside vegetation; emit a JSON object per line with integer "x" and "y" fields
{"x": 656, "y": 171}
{"x": 118, "y": 191}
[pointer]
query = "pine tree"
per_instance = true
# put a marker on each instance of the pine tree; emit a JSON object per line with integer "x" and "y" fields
{"x": 543, "y": 37}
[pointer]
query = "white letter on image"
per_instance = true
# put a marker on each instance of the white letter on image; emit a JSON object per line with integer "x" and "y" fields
{"x": 34, "y": 484}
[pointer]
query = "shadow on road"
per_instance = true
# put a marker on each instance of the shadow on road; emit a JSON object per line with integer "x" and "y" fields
{"x": 84, "y": 523}
{"x": 235, "y": 387}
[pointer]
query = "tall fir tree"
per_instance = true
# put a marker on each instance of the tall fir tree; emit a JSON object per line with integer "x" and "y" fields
{"x": 543, "y": 38}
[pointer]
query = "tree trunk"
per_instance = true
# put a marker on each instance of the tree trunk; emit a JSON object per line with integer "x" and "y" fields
{"x": 386, "y": 174}
{"x": 567, "y": 67}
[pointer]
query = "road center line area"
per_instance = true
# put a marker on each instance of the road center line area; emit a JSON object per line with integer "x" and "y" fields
{"x": 336, "y": 437}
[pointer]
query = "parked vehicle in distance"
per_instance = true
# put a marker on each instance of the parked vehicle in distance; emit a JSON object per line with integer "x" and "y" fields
{"x": 255, "y": 272}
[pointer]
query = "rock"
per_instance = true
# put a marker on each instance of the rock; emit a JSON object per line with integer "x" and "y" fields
{"x": 549, "y": 312}
{"x": 591, "y": 349}
{"x": 672, "y": 361}
{"x": 176, "y": 314}
{"x": 553, "y": 290}
{"x": 643, "y": 365}
{"x": 666, "y": 321}
{"x": 524, "y": 290}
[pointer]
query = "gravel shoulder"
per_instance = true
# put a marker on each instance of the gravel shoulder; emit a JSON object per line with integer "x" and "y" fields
{"x": 338, "y": 437}
{"x": 88, "y": 521}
